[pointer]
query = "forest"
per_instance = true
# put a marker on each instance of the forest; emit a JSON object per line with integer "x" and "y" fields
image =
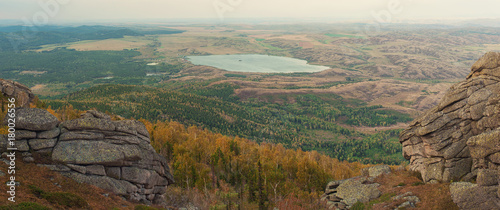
{"x": 217, "y": 109}
{"x": 118, "y": 82}
{"x": 224, "y": 172}
{"x": 76, "y": 70}
{"x": 225, "y": 152}
{"x": 20, "y": 38}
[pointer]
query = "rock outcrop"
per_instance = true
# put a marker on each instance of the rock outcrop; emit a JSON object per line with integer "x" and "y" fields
{"x": 438, "y": 144}
{"x": 21, "y": 93}
{"x": 485, "y": 193}
{"x": 375, "y": 171}
{"x": 410, "y": 200}
{"x": 343, "y": 194}
{"x": 113, "y": 155}
{"x": 460, "y": 138}
{"x": 475, "y": 196}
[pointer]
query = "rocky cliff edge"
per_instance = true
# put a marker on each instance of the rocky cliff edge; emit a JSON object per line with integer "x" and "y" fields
{"x": 459, "y": 139}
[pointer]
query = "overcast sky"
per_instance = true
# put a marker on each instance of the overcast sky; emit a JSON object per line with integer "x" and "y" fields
{"x": 329, "y": 10}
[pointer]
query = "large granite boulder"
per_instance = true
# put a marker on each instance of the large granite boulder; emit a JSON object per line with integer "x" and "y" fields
{"x": 93, "y": 149}
{"x": 34, "y": 120}
{"x": 460, "y": 138}
{"x": 485, "y": 149}
{"x": 357, "y": 190}
{"x": 473, "y": 196}
{"x": 375, "y": 171}
{"x": 23, "y": 95}
{"x": 440, "y": 142}
{"x": 343, "y": 194}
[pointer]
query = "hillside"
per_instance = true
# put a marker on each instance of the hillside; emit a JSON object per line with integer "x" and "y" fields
{"x": 216, "y": 171}
{"x": 21, "y": 38}
{"x": 59, "y": 192}
{"x": 311, "y": 124}
{"x": 404, "y": 67}
{"x": 258, "y": 140}
{"x": 223, "y": 170}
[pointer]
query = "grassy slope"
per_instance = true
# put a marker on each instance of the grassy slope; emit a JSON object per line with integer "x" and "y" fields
{"x": 49, "y": 181}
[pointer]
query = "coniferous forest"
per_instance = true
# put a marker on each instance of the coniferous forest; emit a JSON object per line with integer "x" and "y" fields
{"x": 234, "y": 140}
{"x": 292, "y": 125}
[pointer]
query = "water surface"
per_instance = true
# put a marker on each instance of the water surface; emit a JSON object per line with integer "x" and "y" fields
{"x": 256, "y": 63}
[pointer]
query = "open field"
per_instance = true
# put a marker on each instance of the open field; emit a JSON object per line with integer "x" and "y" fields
{"x": 128, "y": 42}
{"x": 110, "y": 44}
{"x": 33, "y": 72}
{"x": 374, "y": 86}
{"x": 47, "y": 90}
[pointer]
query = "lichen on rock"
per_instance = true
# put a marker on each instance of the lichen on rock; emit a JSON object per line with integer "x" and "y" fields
{"x": 438, "y": 143}
{"x": 460, "y": 138}
{"x": 23, "y": 95}
{"x": 93, "y": 149}
{"x": 343, "y": 194}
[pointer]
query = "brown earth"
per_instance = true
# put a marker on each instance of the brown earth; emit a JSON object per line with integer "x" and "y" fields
{"x": 30, "y": 174}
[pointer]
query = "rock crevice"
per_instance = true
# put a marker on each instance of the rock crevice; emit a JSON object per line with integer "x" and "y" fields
{"x": 23, "y": 95}
{"x": 459, "y": 139}
{"x": 438, "y": 143}
{"x": 343, "y": 194}
{"x": 93, "y": 149}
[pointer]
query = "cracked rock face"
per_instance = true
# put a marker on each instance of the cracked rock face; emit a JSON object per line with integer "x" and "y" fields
{"x": 457, "y": 137}
{"x": 343, "y": 194}
{"x": 474, "y": 196}
{"x": 24, "y": 96}
{"x": 93, "y": 149}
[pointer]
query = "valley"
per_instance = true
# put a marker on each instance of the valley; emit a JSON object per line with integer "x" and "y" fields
{"x": 258, "y": 105}
{"x": 297, "y": 108}
{"x": 373, "y": 85}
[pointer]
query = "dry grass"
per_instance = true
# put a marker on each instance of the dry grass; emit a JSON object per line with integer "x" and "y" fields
{"x": 376, "y": 129}
{"x": 49, "y": 181}
{"x": 306, "y": 45}
{"x": 38, "y": 87}
{"x": 108, "y": 44}
{"x": 32, "y": 72}
{"x": 47, "y": 89}
{"x": 432, "y": 196}
{"x": 385, "y": 92}
{"x": 128, "y": 42}
{"x": 187, "y": 44}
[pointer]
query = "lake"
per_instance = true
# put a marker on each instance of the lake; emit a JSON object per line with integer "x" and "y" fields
{"x": 256, "y": 63}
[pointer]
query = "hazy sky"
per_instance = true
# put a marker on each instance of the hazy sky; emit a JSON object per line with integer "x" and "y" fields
{"x": 329, "y": 10}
